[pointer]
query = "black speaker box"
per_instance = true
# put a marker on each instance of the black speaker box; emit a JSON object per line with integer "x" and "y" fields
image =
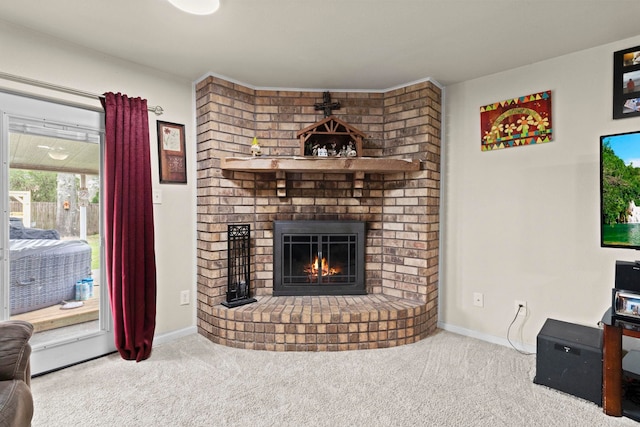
{"x": 628, "y": 275}
{"x": 569, "y": 359}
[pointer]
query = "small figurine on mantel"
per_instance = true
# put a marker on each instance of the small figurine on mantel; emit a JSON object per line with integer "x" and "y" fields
{"x": 351, "y": 150}
{"x": 348, "y": 150}
{"x": 255, "y": 147}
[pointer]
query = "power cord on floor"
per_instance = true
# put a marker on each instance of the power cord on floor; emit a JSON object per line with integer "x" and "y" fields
{"x": 520, "y": 307}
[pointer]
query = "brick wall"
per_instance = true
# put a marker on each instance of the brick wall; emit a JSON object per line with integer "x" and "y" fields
{"x": 401, "y": 210}
{"x": 411, "y": 202}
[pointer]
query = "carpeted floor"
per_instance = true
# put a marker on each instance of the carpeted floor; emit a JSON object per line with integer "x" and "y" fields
{"x": 444, "y": 380}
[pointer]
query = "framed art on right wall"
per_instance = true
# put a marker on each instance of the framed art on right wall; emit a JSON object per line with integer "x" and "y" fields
{"x": 626, "y": 83}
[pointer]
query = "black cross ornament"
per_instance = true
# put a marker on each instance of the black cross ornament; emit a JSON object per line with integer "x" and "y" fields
{"x": 327, "y": 105}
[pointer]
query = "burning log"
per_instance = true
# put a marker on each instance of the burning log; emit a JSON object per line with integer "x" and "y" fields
{"x": 320, "y": 267}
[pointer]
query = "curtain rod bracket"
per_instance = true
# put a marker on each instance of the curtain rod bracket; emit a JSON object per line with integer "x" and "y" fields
{"x": 157, "y": 110}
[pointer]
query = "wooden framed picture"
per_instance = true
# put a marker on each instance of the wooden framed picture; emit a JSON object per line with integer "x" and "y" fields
{"x": 171, "y": 153}
{"x": 626, "y": 83}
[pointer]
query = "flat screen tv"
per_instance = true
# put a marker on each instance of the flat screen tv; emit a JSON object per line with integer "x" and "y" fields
{"x": 620, "y": 190}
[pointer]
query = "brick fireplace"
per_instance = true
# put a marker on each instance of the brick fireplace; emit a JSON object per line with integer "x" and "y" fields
{"x": 400, "y": 210}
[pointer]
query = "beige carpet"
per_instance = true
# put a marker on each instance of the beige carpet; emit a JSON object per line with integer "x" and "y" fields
{"x": 444, "y": 380}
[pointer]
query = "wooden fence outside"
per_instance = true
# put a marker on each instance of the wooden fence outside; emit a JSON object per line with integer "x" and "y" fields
{"x": 43, "y": 215}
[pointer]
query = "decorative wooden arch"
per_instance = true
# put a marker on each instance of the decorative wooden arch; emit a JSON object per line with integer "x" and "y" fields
{"x": 328, "y": 131}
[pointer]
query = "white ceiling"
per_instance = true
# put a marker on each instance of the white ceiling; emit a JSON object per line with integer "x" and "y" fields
{"x": 333, "y": 44}
{"x": 31, "y": 152}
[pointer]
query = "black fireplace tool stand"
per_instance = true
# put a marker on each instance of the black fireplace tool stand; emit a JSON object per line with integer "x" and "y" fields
{"x": 239, "y": 251}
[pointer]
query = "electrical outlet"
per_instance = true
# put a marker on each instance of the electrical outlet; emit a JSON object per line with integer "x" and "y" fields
{"x": 184, "y": 298}
{"x": 520, "y": 307}
{"x": 478, "y": 299}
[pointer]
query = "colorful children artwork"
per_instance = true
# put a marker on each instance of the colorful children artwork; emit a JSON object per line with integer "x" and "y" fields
{"x": 514, "y": 122}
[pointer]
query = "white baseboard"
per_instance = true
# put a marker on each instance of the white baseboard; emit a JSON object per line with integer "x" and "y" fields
{"x": 486, "y": 337}
{"x": 174, "y": 335}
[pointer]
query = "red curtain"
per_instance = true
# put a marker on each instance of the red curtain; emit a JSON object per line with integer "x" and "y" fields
{"x": 128, "y": 216}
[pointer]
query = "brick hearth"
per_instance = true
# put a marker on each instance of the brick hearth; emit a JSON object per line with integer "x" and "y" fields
{"x": 320, "y": 323}
{"x": 401, "y": 211}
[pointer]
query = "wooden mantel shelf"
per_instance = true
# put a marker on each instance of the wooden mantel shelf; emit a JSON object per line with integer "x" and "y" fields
{"x": 356, "y": 165}
{"x": 315, "y": 164}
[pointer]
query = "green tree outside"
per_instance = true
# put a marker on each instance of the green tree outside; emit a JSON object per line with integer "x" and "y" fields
{"x": 42, "y": 185}
{"x": 620, "y": 186}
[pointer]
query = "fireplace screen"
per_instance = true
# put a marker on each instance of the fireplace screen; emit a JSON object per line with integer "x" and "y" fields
{"x": 319, "y": 258}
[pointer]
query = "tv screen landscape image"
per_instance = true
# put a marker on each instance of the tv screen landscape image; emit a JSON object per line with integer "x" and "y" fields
{"x": 620, "y": 190}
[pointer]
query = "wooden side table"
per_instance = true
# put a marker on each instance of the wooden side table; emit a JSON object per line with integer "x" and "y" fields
{"x": 612, "y": 362}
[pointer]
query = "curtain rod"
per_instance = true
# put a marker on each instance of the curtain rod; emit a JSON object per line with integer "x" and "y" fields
{"x": 155, "y": 109}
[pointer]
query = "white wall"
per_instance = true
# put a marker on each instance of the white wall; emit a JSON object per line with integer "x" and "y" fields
{"x": 31, "y": 55}
{"x": 523, "y": 223}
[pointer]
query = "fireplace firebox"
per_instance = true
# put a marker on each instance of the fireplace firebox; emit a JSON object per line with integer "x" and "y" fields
{"x": 319, "y": 258}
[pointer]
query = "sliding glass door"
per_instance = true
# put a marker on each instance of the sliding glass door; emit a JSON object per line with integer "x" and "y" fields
{"x": 52, "y": 257}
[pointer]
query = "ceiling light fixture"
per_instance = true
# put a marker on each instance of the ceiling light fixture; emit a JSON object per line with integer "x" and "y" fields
{"x": 197, "y": 7}
{"x": 57, "y": 155}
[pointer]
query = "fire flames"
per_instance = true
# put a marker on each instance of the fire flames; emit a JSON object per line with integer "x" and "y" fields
{"x": 320, "y": 267}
